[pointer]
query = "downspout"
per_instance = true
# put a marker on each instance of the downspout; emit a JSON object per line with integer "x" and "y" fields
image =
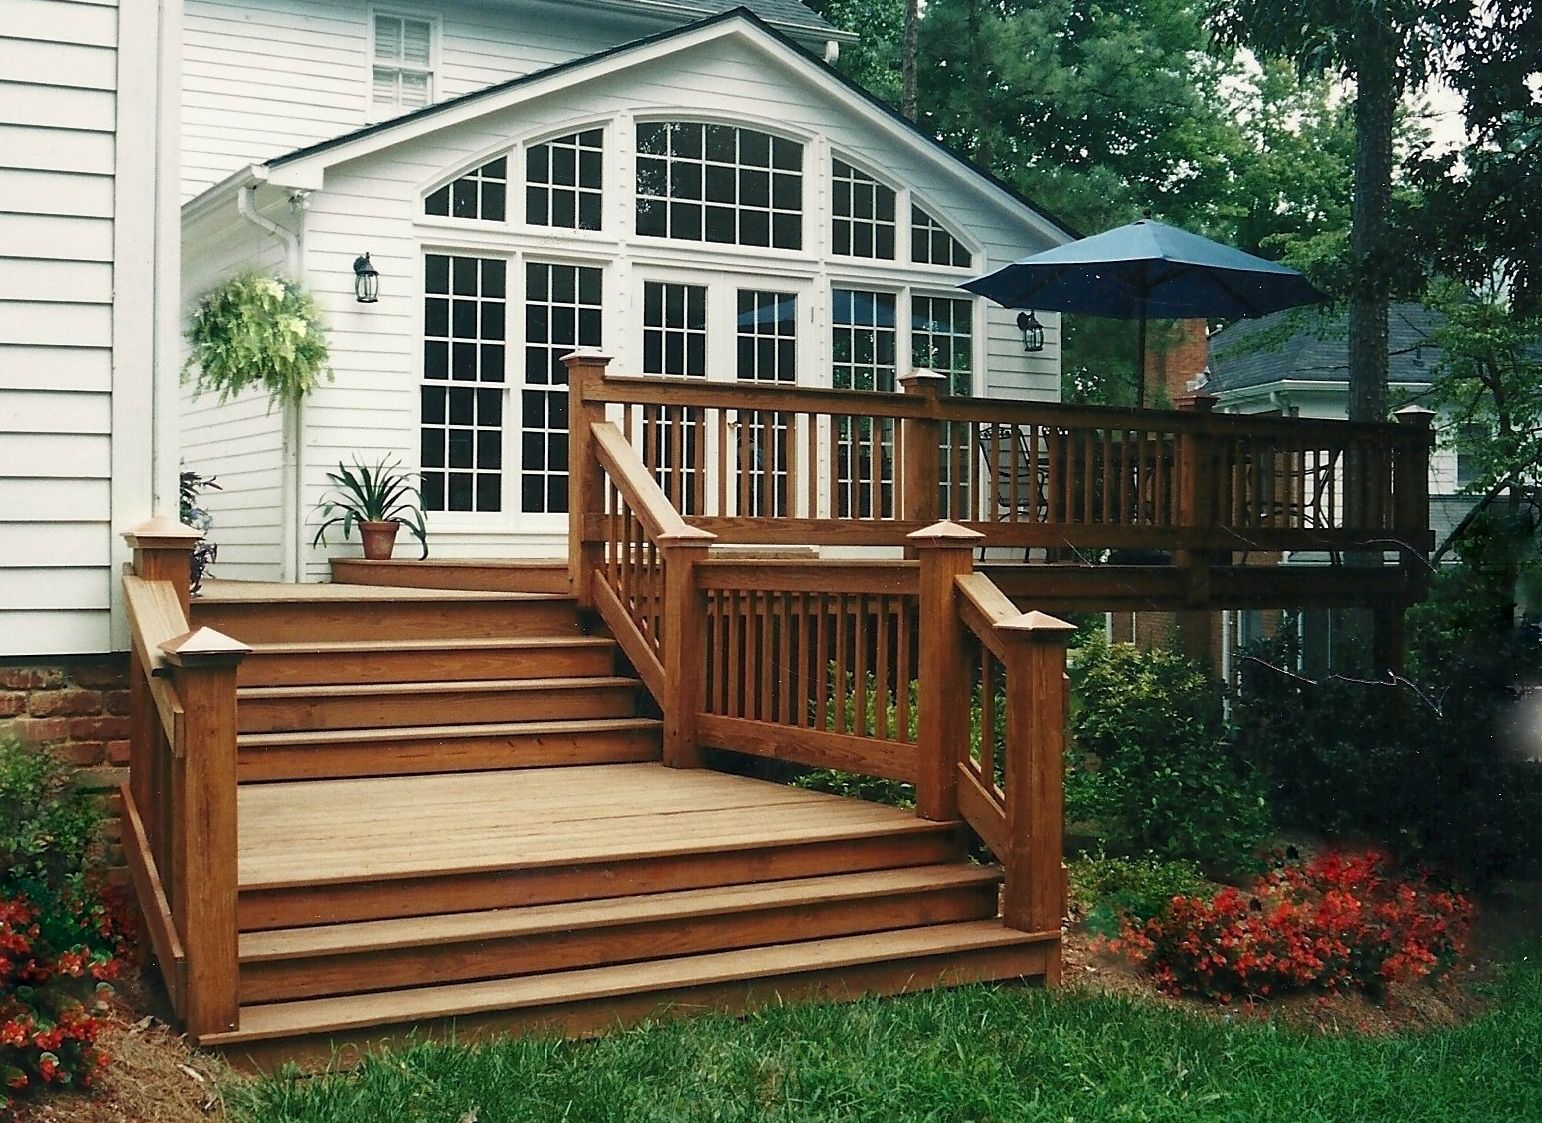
{"x": 290, "y": 482}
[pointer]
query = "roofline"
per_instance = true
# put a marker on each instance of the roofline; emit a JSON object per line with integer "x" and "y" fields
{"x": 823, "y": 30}
{"x": 1282, "y": 384}
{"x": 1053, "y": 224}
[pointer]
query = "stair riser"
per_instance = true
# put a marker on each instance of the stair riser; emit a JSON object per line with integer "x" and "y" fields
{"x": 533, "y": 578}
{"x": 443, "y": 707}
{"x": 280, "y": 622}
{"x": 333, "y": 669}
{"x": 660, "y": 939}
{"x": 329, "y": 904}
{"x": 591, "y": 1017}
{"x": 460, "y": 754}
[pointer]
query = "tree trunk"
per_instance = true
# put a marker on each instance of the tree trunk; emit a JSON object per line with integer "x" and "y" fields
{"x": 908, "y": 60}
{"x": 1376, "y": 97}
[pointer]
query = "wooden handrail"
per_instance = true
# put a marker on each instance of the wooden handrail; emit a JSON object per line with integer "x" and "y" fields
{"x": 155, "y": 616}
{"x": 641, "y": 492}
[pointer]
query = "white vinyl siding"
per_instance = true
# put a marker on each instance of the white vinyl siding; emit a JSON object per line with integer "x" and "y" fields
{"x": 401, "y": 63}
{"x": 77, "y": 332}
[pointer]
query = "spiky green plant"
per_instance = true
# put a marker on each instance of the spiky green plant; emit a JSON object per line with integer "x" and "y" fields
{"x": 381, "y": 492}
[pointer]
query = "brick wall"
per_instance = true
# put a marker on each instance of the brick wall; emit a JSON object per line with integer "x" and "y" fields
{"x": 77, "y": 706}
{"x": 1179, "y": 358}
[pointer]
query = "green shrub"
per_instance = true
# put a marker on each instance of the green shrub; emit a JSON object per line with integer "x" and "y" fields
{"x": 1150, "y": 763}
{"x": 1108, "y": 890}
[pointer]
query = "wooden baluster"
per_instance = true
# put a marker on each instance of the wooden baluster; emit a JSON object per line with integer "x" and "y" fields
{"x": 822, "y": 662}
{"x": 586, "y": 495}
{"x": 1033, "y": 899}
{"x": 684, "y": 638}
{"x": 205, "y": 840}
{"x": 921, "y": 447}
{"x": 946, "y": 550}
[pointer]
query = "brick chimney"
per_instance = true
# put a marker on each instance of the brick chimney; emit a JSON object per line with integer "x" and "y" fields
{"x": 1172, "y": 371}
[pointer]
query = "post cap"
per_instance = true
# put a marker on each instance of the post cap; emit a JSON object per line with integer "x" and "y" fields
{"x": 944, "y": 533}
{"x": 1196, "y": 401}
{"x": 923, "y": 381}
{"x": 1415, "y": 415}
{"x": 587, "y": 356}
{"x": 687, "y": 536}
{"x": 203, "y": 647}
{"x": 1037, "y": 625}
{"x": 164, "y": 531}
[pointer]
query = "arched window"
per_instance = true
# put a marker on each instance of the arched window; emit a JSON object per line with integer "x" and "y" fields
{"x": 719, "y": 183}
{"x": 861, "y": 213}
{"x": 564, "y": 178}
{"x": 481, "y": 193}
{"x": 931, "y": 244}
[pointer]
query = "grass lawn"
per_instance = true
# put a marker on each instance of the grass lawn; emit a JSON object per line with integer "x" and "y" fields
{"x": 975, "y": 1054}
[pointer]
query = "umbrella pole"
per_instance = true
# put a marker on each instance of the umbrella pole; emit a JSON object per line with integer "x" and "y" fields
{"x": 1140, "y": 362}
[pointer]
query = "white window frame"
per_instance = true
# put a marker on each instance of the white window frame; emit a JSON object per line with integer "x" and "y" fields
{"x": 374, "y": 112}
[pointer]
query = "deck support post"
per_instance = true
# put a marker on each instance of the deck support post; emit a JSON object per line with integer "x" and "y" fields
{"x": 203, "y": 843}
{"x": 1198, "y": 475}
{"x": 920, "y": 453}
{"x": 586, "y": 481}
{"x": 1033, "y": 898}
{"x": 684, "y": 644}
{"x": 946, "y": 550}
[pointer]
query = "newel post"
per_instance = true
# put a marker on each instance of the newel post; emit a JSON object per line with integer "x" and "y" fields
{"x": 921, "y": 452}
{"x": 684, "y": 643}
{"x": 586, "y": 483}
{"x": 946, "y": 550}
{"x": 1411, "y": 508}
{"x": 203, "y": 841}
{"x": 1033, "y": 899}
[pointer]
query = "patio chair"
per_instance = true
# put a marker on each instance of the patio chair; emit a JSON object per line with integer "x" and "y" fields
{"x": 1021, "y": 480}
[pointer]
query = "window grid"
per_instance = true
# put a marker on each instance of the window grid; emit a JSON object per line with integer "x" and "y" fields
{"x": 675, "y": 344}
{"x": 864, "y": 344}
{"x": 767, "y": 329}
{"x": 562, "y": 312}
{"x": 563, "y": 181}
{"x": 719, "y": 183}
{"x": 862, "y": 222}
{"x": 931, "y": 244}
{"x": 463, "y": 393}
{"x": 403, "y": 52}
{"x": 481, "y": 193}
{"x": 942, "y": 339}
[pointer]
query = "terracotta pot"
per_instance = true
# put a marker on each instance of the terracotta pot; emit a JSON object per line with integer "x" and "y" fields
{"x": 379, "y": 539}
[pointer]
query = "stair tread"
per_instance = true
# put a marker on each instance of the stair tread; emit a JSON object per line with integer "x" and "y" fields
{"x": 424, "y": 732}
{"x": 272, "y": 592}
{"x": 454, "y": 686}
{"x": 331, "y": 1015}
{"x": 347, "y": 647}
{"x": 529, "y": 920}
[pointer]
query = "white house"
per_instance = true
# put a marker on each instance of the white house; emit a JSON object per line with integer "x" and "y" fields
{"x": 696, "y": 194}
{"x": 88, "y": 315}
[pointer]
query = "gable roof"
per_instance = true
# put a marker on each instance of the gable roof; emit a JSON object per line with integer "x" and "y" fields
{"x": 1310, "y": 347}
{"x": 792, "y": 15}
{"x": 303, "y": 168}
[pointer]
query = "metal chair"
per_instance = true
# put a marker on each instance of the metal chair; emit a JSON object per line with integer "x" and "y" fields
{"x": 1020, "y": 479}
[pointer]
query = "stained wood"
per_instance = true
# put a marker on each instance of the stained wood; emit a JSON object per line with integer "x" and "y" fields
{"x": 423, "y": 660}
{"x": 502, "y": 575}
{"x": 151, "y": 895}
{"x": 983, "y": 811}
{"x": 639, "y": 651}
{"x": 403, "y": 614}
{"x": 817, "y": 748}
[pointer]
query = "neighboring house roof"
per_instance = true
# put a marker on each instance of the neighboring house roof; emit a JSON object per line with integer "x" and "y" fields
{"x": 303, "y": 168}
{"x": 1304, "y": 346}
{"x": 788, "y": 14}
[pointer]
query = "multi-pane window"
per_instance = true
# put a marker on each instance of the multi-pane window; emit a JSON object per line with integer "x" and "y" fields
{"x": 480, "y": 193}
{"x": 563, "y": 178}
{"x": 862, "y": 210}
{"x": 864, "y": 341}
{"x": 719, "y": 183}
{"x": 464, "y": 307}
{"x": 403, "y": 60}
{"x": 942, "y": 339}
{"x": 767, "y": 337}
{"x": 674, "y": 333}
{"x": 562, "y": 312}
{"x": 931, "y": 244}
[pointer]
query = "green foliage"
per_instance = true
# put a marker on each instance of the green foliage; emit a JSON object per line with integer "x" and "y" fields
{"x": 257, "y": 331}
{"x": 1107, "y": 889}
{"x": 191, "y": 511}
{"x": 50, "y": 842}
{"x": 1150, "y": 763}
{"x": 381, "y": 492}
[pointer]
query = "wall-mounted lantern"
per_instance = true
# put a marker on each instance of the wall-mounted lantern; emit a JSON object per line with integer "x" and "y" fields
{"x": 366, "y": 280}
{"x": 1033, "y": 331}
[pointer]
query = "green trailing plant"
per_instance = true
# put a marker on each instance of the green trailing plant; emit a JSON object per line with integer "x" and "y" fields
{"x": 193, "y": 513}
{"x": 257, "y": 331}
{"x": 382, "y": 492}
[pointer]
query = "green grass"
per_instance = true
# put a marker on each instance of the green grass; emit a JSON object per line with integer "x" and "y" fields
{"x": 974, "y": 1054}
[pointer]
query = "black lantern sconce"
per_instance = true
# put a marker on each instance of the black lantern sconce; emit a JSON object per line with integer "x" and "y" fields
{"x": 1033, "y": 331}
{"x": 366, "y": 280}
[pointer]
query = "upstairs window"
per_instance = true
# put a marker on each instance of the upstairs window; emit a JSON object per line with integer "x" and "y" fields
{"x": 718, "y": 183}
{"x": 931, "y": 244}
{"x": 862, "y": 222}
{"x": 403, "y": 54}
{"x": 563, "y": 180}
{"x": 482, "y": 193}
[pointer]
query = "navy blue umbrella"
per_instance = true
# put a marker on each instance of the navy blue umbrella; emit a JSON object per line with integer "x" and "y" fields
{"x": 1148, "y": 270}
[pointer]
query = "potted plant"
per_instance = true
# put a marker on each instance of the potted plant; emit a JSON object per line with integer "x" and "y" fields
{"x": 257, "y": 331}
{"x": 380, "y": 498}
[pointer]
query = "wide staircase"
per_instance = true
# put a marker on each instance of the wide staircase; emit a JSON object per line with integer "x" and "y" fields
{"x": 452, "y": 817}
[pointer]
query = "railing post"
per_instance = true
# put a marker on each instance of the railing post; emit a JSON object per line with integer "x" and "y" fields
{"x": 162, "y": 549}
{"x": 1197, "y": 475}
{"x": 1033, "y": 899}
{"x": 920, "y": 464}
{"x": 1411, "y": 512}
{"x": 684, "y": 644}
{"x": 586, "y": 488}
{"x": 946, "y": 550}
{"x": 203, "y": 843}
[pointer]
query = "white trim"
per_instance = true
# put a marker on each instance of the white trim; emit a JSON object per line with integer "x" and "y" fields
{"x": 377, "y": 113}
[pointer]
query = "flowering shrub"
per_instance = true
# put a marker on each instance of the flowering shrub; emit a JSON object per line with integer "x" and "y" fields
{"x": 1336, "y": 923}
{"x": 50, "y": 1006}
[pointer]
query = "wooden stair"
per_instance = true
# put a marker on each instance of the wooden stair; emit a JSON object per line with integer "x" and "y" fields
{"x": 452, "y": 819}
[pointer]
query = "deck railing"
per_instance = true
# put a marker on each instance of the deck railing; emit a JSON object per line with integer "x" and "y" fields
{"x": 782, "y": 464}
{"x": 179, "y": 806}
